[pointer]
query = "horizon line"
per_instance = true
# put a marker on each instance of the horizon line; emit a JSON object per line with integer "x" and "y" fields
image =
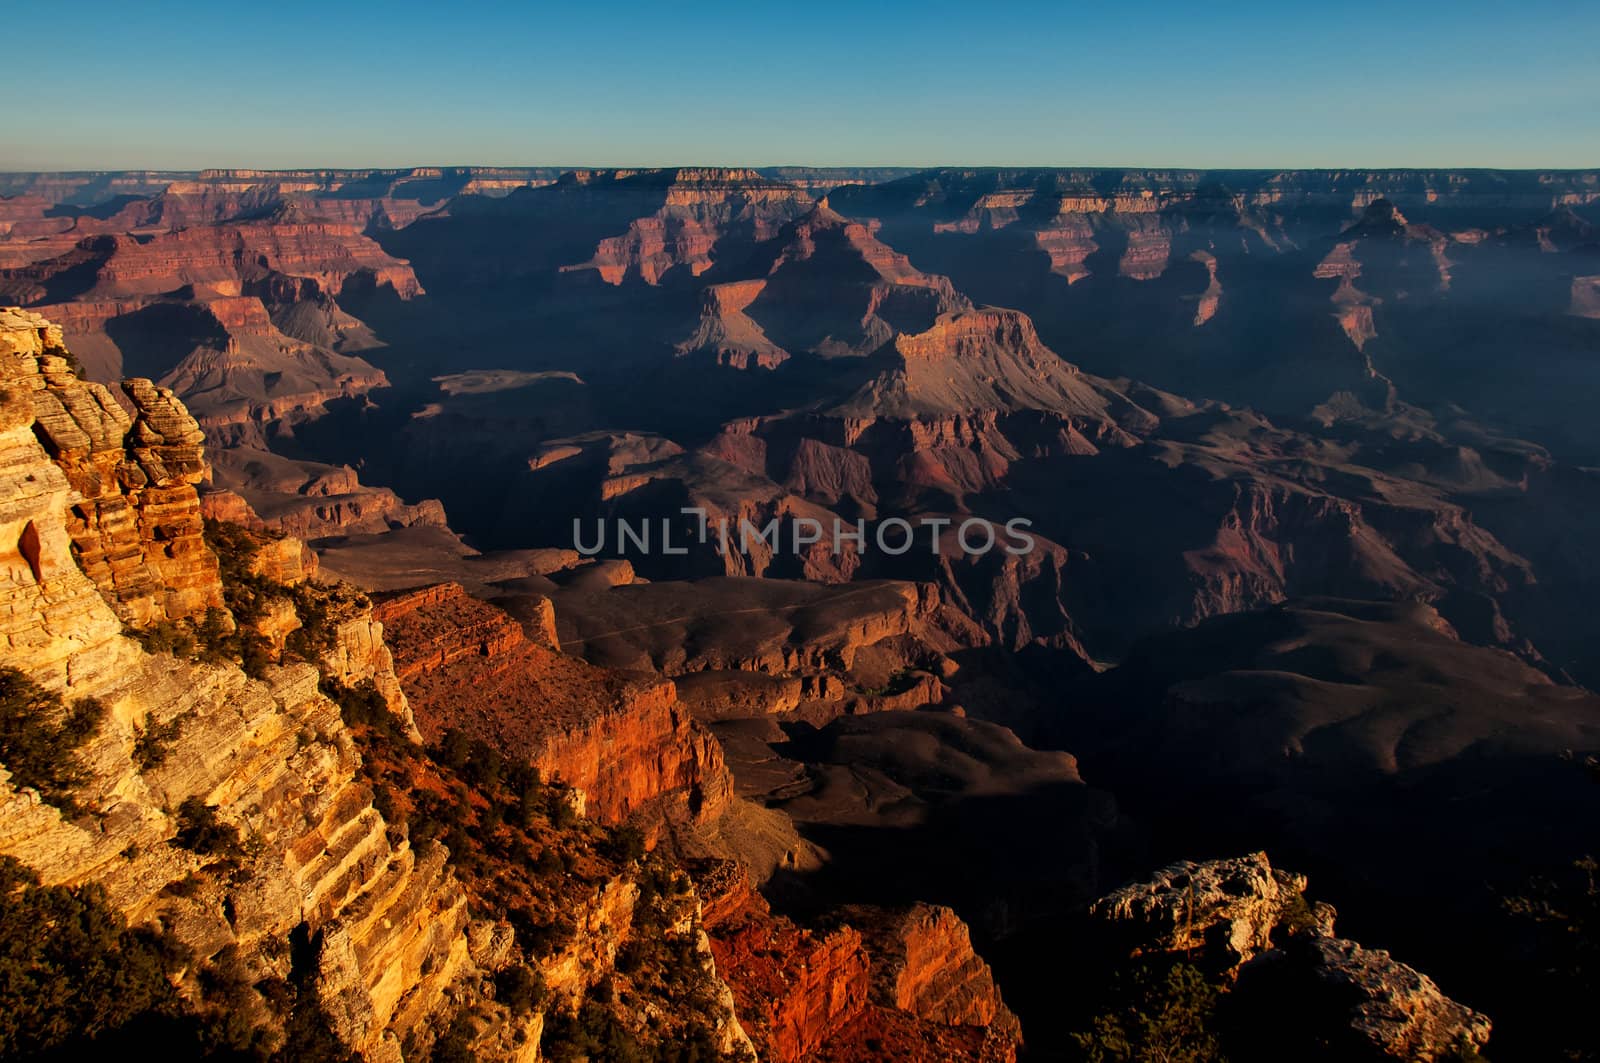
{"x": 572, "y": 168}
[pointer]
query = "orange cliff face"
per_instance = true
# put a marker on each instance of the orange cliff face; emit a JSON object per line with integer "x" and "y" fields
{"x": 794, "y": 988}
{"x": 871, "y": 984}
{"x": 924, "y": 964}
{"x": 136, "y": 528}
{"x": 621, "y": 738}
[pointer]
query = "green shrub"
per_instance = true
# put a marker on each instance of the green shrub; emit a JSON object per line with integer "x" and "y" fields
{"x": 73, "y": 365}
{"x": 455, "y": 1044}
{"x": 364, "y": 705}
{"x": 455, "y": 748}
{"x": 166, "y": 636}
{"x": 201, "y": 831}
{"x": 542, "y": 938}
{"x": 153, "y": 742}
{"x": 1297, "y": 916}
{"x": 247, "y": 594}
{"x": 40, "y": 737}
{"x": 1161, "y": 1013}
{"x": 73, "y": 974}
{"x": 591, "y": 1033}
{"x": 549, "y": 862}
{"x": 236, "y": 548}
{"x": 625, "y": 845}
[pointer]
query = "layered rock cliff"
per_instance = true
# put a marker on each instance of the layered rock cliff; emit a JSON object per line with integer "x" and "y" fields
{"x": 864, "y": 982}
{"x": 924, "y": 964}
{"x": 135, "y": 524}
{"x": 269, "y": 761}
{"x": 698, "y": 208}
{"x": 622, "y": 739}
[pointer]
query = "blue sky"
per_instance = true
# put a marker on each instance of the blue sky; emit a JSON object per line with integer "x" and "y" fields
{"x": 167, "y": 85}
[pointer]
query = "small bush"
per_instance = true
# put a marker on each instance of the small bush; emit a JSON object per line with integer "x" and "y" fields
{"x": 201, "y": 831}
{"x": 455, "y": 1045}
{"x": 1297, "y": 916}
{"x": 1165, "y": 1014}
{"x": 549, "y": 862}
{"x": 562, "y": 815}
{"x": 595, "y": 1032}
{"x": 40, "y": 737}
{"x": 165, "y": 636}
{"x": 455, "y": 748}
{"x": 153, "y": 742}
{"x": 72, "y": 973}
{"x": 625, "y": 845}
{"x": 364, "y": 705}
{"x": 542, "y": 938}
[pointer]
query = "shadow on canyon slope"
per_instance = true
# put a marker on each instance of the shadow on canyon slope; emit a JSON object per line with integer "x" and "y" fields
{"x": 931, "y": 806}
{"x": 1419, "y": 781}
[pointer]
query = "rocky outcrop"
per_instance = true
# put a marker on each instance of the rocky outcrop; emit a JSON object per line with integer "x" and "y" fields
{"x": 794, "y": 988}
{"x": 53, "y": 617}
{"x": 622, "y": 739}
{"x": 384, "y": 922}
{"x": 615, "y": 916}
{"x": 360, "y": 655}
{"x": 226, "y": 258}
{"x": 728, "y": 334}
{"x": 136, "y": 527}
{"x": 866, "y": 980}
{"x": 770, "y": 626}
{"x": 1390, "y": 1011}
{"x": 1253, "y": 923}
{"x": 923, "y": 963}
{"x": 824, "y": 285}
{"x": 283, "y": 559}
{"x": 1224, "y": 907}
{"x": 311, "y": 501}
{"x": 984, "y": 359}
{"x": 274, "y": 760}
{"x": 435, "y": 627}
{"x": 698, "y": 207}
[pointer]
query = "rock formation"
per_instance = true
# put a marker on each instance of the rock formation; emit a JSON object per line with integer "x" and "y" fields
{"x": 622, "y": 739}
{"x": 824, "y": 285}
{"x": 909, "y": 978}
{"x": 1360, "y": 1003}
{"x": 698, "y": 209}
{"x": 1225, "y": 907}
{"x": 136, "y": 527}
{"x": 923, "y": 963}
{"x": 271, "y": 757}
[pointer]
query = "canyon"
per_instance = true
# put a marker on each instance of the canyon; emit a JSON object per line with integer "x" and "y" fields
{"x": 1306, "y": 463}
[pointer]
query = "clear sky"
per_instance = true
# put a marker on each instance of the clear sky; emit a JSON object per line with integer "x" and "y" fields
{"x": 153, "y": 84}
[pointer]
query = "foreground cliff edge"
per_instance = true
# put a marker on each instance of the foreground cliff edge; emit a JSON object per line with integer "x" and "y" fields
{"x": 232, "y": 811}
{"x": 207, "y": 744}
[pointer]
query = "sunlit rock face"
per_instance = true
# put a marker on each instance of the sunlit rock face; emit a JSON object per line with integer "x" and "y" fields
{"x": 271, "y": 756}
